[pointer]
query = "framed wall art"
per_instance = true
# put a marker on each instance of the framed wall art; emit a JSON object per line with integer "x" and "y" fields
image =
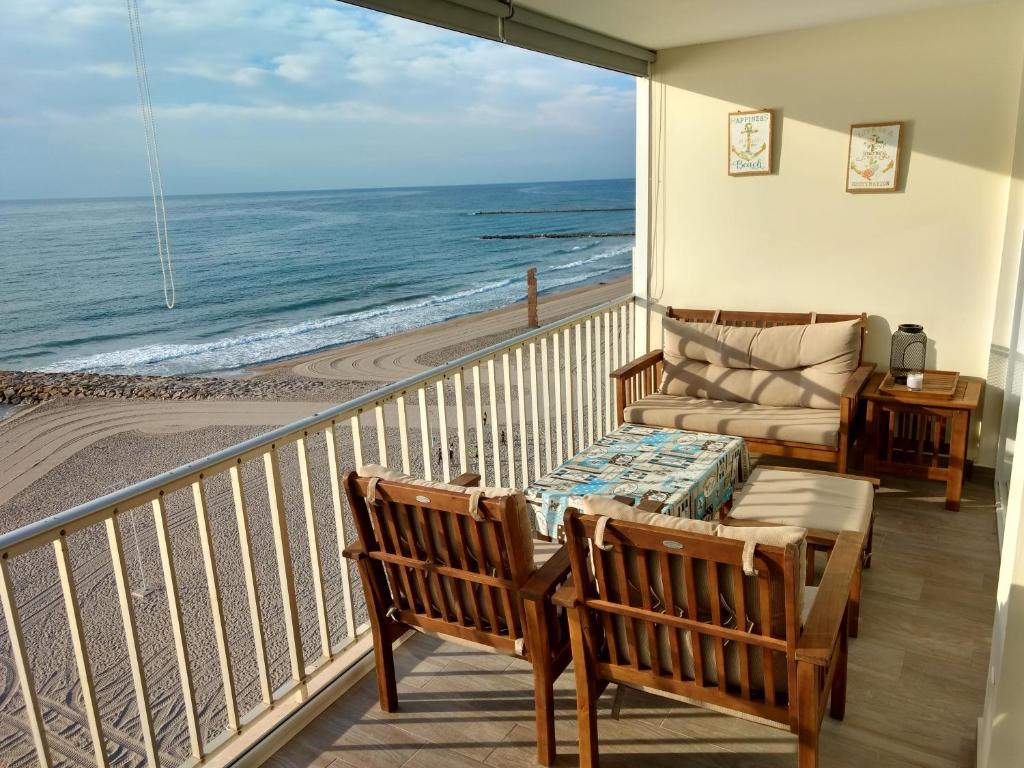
{"x": 750, "y": 143}
{"x": 873, "y": 160}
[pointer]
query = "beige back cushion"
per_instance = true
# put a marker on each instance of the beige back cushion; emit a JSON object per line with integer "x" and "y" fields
{"x": 775, "y": 536}
{"x": 526, "y": 535}
{"x": 788, "y": 365}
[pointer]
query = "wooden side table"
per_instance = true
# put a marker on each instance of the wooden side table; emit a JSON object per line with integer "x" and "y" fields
{"x": 910, "y": 436}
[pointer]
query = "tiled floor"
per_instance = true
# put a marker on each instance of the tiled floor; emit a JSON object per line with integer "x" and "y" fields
{"x": 916, "y": 685}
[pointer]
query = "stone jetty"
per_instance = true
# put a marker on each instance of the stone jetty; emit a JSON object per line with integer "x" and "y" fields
{"x": 28, "y": 388}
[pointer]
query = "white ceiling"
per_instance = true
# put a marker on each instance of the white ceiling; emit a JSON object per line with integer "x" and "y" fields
{"x": 657, "y": 24}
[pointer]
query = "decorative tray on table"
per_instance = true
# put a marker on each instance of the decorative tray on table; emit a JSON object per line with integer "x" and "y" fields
{"x": 938, "y": 385}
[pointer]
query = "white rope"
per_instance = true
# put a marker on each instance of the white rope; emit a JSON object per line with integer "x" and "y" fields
{"x": 156, "y": 182}
{"x": 138, "y": 556}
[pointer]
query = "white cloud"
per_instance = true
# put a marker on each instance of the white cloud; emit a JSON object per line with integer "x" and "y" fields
{"x": 296, "y": 67}
{"x": 111, "y": 69}
{"x": 245, "y": 76}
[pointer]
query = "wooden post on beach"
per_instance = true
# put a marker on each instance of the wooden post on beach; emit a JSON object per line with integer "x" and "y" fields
{"x": 531, "y": 298}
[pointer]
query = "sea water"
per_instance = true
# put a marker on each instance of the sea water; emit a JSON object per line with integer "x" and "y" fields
{"x": 264, "y": 276}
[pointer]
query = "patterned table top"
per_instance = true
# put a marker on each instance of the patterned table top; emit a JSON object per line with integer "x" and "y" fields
{"x": 686, "y": 474}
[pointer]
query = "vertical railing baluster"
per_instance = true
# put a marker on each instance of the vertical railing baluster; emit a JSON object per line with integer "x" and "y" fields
{"x": 510, "y": 430}
{"x": 627, "y": 329}
{"x": 524, "y": 427}
{"x": 163, "y": 536}
{"x": 581, "y": 426}
{"x": 216, "y": 611}
{"x": 252, "y": 592}
{"x": 382, "y": 435}
{"x": 556, "y": 343}
{"x": 33, "y": 713}
{"x": 460, "y": 420}
{"x": 285, "y": 577}
{"x": 598, "y": 368}
{"x": 478, "y": 413}
{"x": 616, "y": 359}
{"x": 591, "y": 429}
{"x": 67, "y": 585}
{"x": 421, "y": 396}
{"x": 609, "y": 366}
{"x": 492, "y": 400}
{"x": 442, "y": 425}
{"x": 535, "y": 414}
{"x": 313, "y": 541}
{"x": 333, "y": 468}
{"x": 131, "y": 637}
{"x": 403, "y": 431}
{"x": 570, "y": 419}
{"x": 355, "y": 425}
{"x": 548, "y": 440}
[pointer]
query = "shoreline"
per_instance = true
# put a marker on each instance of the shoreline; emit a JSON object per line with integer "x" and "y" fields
{"x": 324, "y": 375}
{"x": 441, "y": 327}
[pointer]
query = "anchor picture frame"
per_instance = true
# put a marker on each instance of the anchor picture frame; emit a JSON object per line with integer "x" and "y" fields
{"x": 873, "y": 157}
{"x": 749, "y": 148}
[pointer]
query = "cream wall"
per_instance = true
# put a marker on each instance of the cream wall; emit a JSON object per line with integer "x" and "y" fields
{"x": 795, "y": 240}
{"x": 1000, "y": 737}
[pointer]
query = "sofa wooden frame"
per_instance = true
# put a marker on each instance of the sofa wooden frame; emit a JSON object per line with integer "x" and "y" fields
{"x": 815, "y": 656}
{"x": 410, "y": 582}
{"x": 642, "y": 377}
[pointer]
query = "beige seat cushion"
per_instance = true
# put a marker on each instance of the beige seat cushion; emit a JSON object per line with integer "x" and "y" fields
{"x": 816, "y": 426}
{"x": 807, "y": 499}
{"x": 789, "y": 366}
{"x": 526, "y": 540}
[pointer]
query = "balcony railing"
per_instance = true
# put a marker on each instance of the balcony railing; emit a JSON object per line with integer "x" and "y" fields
{"x": 259, "y": 615}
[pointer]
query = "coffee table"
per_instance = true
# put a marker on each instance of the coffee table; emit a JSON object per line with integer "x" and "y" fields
{"x": 672, "y": 471}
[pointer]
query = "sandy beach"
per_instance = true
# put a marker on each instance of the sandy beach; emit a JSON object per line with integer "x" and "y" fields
{"x": 64, "y": 452}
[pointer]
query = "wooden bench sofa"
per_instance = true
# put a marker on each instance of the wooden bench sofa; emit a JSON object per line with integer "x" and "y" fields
{"x": 792, "y": 400}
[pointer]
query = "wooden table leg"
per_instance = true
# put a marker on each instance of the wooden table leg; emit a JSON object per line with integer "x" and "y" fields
{"x": 957, "y": 456}
{"x": 870, "y": 438}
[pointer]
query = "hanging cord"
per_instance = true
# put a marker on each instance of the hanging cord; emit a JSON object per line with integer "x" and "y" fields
{"x": 503, "y": 19}
{"x": 156, "y": 182}
{"x": 138, "y": 558}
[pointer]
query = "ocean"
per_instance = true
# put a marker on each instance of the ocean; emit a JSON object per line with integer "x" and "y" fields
{"x": 265, "y": 276}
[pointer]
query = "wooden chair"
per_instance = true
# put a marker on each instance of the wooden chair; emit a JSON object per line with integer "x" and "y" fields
{"x": 453, "y": 565}
{"x": 642, "y": 377}
{"x": 653, "y": 594}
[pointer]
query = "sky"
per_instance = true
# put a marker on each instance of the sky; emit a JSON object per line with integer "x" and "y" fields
{"x": 267, "y": 95}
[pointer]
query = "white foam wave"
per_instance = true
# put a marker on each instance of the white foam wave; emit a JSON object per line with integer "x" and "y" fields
{"x": 609, "y": 254}
{"x": 311, "y": 335}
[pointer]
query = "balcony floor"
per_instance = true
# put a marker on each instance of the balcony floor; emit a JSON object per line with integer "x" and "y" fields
{"x": 916, "y": 679}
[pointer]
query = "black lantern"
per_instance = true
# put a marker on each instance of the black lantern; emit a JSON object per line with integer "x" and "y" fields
{"x": 907, "y": 352}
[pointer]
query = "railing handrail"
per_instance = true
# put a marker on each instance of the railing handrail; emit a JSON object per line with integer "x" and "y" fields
{"x": 130, "y": 496}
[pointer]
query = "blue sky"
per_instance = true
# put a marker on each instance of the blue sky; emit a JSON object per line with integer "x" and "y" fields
{"x": 258, "y": 95}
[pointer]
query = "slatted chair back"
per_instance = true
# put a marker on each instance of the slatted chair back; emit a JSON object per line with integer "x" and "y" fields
{"x": 447, "y": 562}
{"x": 764, "y": 319}
{"x": 679, "y": 614}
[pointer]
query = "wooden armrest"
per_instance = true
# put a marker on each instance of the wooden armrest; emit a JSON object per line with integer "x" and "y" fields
{"x": 355, "y": 551}
{"x": 875, "y": 482}
{"x": 641, "y": 363}
{"x": 466, "y": 480}
{"x": 565, "y": 595}
{"x": 858, "y": 380}
{"x": 826, "y": 620}
{"x": 817, "y": 536}
{"x": 544, "y": 580}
